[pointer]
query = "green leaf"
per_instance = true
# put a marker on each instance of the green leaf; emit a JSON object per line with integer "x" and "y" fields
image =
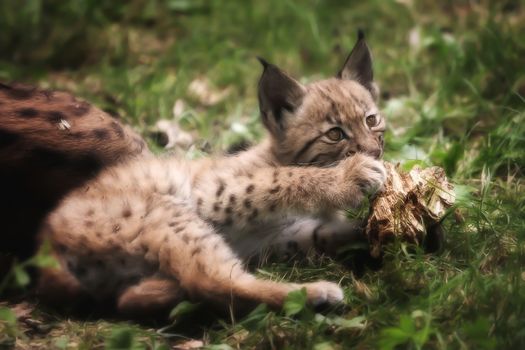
{"x": 122, "y": 338}
{"x": 21, "y": 276}
{"x": 324, "y": 346}
{"x": 391, "y": 337}
{"x": 406, "y": 323}
{"x": 45, "y": 260}
{"x": 410, "y": 164}
{"x": 183, "y": 308}
{"x": 8, "y": 316}
{"x": 44, "y": 257}
{"x": 295, "y": 302}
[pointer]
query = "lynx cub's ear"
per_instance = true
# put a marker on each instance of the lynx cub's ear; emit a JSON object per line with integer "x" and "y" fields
{"x": 358, "y": 66}
{"x": 279, "y": 96}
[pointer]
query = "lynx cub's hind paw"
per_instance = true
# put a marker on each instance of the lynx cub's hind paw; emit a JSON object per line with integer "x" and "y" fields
{"x": 323, "y": 292}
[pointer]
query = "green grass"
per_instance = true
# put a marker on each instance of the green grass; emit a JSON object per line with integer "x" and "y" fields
{"x": 452, "y": 76}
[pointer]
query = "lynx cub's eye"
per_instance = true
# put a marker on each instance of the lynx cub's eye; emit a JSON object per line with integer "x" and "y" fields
{"x": 372, "y": 120}
{"x": 335, "y": 134}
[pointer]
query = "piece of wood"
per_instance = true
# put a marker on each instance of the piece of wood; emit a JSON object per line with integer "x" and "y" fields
{"x": 410, "y": 203}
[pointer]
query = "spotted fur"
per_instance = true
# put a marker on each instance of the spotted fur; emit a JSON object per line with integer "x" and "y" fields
{"x": 50, "y": 143}
{"x": 150, "y": 231}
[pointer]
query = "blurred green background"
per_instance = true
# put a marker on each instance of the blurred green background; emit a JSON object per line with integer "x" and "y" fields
{"x": 137, "y": 57}
{"x": 452, "y": 79}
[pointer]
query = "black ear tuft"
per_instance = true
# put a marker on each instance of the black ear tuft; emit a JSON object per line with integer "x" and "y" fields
{"x": 358, "y": 65}
{"x": 278, "y": 93}
{"x": 264, "y": 62}
{"x": 360, "y": 34}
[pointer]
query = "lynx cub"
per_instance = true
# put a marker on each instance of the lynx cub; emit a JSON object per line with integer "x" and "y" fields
{"x": 152, "y": 230}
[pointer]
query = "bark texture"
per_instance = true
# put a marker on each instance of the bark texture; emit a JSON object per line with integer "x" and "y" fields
{"x": 410, "y": 203}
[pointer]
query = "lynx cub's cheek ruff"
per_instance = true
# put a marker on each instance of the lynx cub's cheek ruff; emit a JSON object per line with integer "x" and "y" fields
{"x": 151, "y": 231}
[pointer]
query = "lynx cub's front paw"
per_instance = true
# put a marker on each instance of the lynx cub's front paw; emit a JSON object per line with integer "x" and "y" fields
{"x": 367, "y": 175}
{"x": 323, "y": 292}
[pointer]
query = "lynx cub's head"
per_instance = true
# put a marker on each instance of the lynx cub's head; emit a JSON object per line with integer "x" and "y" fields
{"x": 324, "y": 121}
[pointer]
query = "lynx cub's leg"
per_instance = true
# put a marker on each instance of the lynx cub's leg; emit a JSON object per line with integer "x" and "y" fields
{"x": 207, "y": 267}
{"x": 151, "y": 295}
{"x": 58, "y": 286}
{"x": 272, "y": 193}
{"x": 161, "y": 236}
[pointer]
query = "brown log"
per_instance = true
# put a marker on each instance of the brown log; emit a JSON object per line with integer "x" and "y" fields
{"x": 410, "y": 203}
